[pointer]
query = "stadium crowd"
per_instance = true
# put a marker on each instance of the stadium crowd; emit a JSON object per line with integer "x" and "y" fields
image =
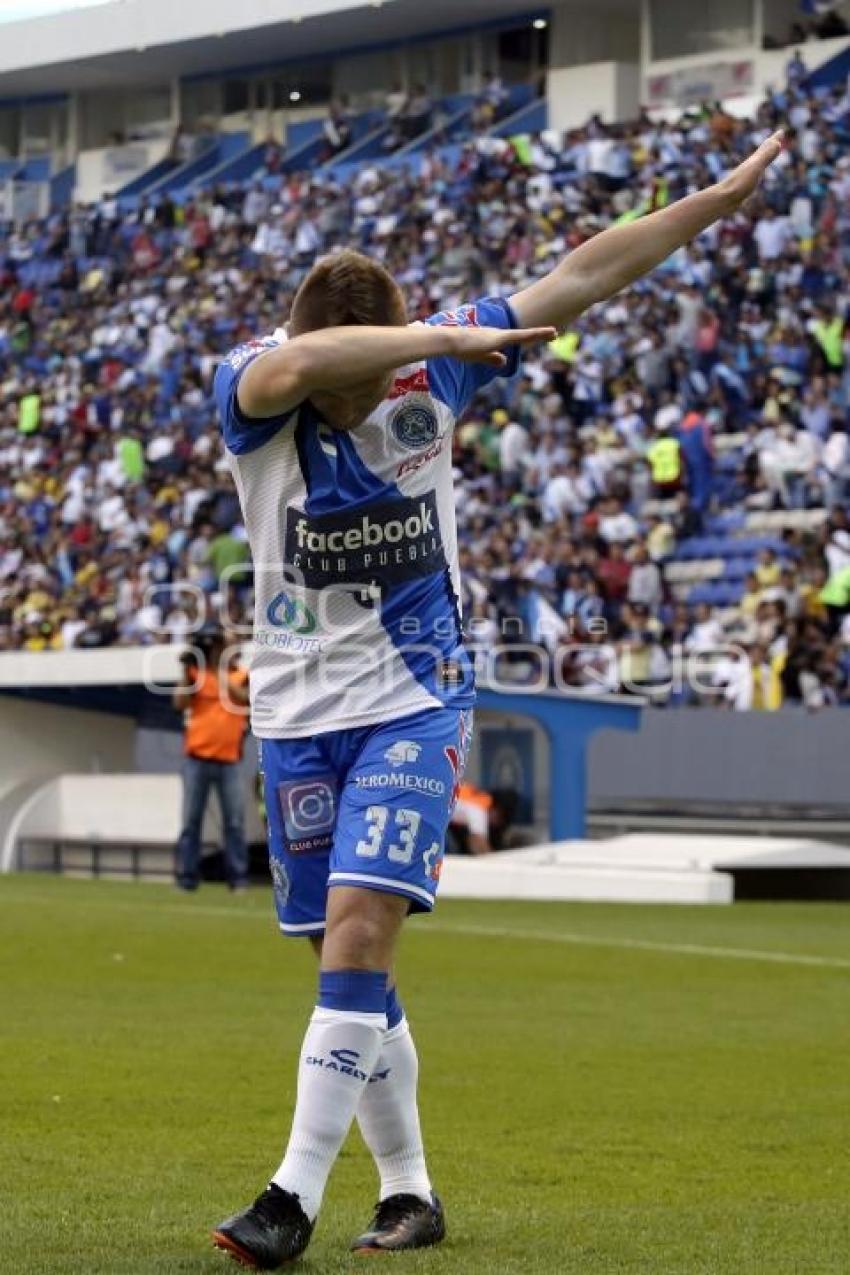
{"x": 716, "y": 391}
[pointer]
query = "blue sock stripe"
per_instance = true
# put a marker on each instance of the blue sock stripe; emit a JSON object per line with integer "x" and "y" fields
{"x": 395, "y": 1010}
{"x": 363, "y": 991}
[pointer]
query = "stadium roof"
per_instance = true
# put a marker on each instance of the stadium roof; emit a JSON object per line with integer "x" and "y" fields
{"x": 135, "y": 41}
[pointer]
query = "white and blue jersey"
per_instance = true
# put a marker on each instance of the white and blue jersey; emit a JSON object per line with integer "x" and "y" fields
{"x": 354, "y": 543}
{"x": 361, "y": 688}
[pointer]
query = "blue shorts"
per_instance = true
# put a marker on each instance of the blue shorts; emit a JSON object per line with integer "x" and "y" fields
{"x": 366, "y": 807}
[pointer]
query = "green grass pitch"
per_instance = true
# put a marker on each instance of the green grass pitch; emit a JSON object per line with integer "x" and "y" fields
{"x": 604, "y": 1089}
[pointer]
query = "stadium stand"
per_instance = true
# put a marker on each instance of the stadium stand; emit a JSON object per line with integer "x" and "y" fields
{"x": 677, "y": 466}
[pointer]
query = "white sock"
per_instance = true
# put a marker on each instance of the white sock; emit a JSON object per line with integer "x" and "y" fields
{"x": 388, "y": 1116}
{"x": 340, "y": 1051}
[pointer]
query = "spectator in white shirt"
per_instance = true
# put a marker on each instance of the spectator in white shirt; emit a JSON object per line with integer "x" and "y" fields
{"x": 790, "y": 463}
{"x": 645, "y": 579}
{"x": 836, "y": 465}
{"x": 112, "y": 512}
{"x": 836, "y": 547}
{"x": 71, "y": 629}
{"x": 669, "y": 414}
{"x": 514, "y": 443}
{"x": 568, "y": 492}
{"x": 707, "y": 631}
{"x": 616, "y": 523}
{"x": 772, "y": 235}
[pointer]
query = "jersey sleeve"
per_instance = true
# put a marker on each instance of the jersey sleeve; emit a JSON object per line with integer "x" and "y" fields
{"x": 455, "y": 383}
{"x": 241, "y": 433}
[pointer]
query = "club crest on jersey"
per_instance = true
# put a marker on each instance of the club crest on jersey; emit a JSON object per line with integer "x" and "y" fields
{"x": 414, "y": 425}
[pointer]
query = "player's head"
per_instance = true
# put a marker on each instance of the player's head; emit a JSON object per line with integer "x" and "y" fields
{"x": 348, "y": 289}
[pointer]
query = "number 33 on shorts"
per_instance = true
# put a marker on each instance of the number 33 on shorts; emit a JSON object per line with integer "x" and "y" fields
{"x": 395, "y": 803}
{"x": 391, "y": 845}
{"x": 401, "y": 843}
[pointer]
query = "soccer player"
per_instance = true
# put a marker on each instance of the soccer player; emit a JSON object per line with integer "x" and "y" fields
{"x": 338, "y": 431}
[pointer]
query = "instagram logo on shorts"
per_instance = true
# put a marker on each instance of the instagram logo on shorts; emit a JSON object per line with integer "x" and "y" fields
{"x": 308, "y": 807}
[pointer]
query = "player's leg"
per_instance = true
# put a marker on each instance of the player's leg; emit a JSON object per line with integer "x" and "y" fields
{"x": 388, "y": 1114}
{"x": 393, "y": 818}
{"x": 338, "y": 1057}
{"x": 388, "y": 1117}
{"x": 196, "y": 785}
{"x": 300, "y": 794}
{"x": 345, "y": 1036}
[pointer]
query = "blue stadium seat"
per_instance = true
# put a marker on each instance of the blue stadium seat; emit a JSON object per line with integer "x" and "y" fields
{"x": 726, "y": 523}
{"x": 755, "y": 544}
{"x": 729, "y": 594}
{"x": 738, "y": 568}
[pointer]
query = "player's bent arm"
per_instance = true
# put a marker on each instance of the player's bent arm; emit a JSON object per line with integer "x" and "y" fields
{"x": 620, "y": 255}
{"x": 337, "y": 358}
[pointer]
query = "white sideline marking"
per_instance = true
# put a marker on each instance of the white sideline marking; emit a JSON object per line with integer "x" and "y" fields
{"x": 484, "y": 931}
{"x": 646, "y": 945}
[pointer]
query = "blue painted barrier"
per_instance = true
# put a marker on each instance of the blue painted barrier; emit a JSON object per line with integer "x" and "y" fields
{"x": 569, "y": 722}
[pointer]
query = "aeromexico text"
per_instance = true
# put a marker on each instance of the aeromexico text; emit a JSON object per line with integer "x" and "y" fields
{"x": 388, "y": 543}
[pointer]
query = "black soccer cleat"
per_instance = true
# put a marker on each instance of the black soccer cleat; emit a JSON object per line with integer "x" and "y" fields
{"x": 403, "y": 1222}
{"x": 274, "y": 1230}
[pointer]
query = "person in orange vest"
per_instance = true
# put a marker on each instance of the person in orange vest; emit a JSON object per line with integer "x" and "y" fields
{"x": 471, "y": 818}
{"x": 213, "y": 697}
{"x": 481, "y": 819}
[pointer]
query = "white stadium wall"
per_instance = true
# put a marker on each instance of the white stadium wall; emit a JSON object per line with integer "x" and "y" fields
{"x": 39, "y": 741}
{"x": 608, "y": 89}
{"x": 108, "y": 168}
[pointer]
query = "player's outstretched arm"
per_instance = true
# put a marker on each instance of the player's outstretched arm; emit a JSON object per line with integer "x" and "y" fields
{"x": 620, "y": 255}
{"x": 342, "y": 358}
